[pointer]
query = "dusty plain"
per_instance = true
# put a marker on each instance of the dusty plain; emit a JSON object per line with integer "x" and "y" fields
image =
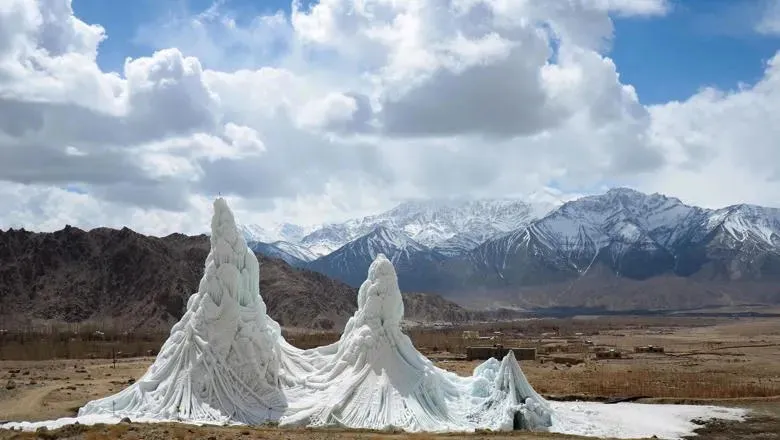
{"x": 717, "y": 360}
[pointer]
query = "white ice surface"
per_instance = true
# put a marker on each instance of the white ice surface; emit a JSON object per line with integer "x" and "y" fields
{"x": 635, "y": 420}
{"x": 221, "y": 360}
{"x": 226, "y": 362}
{"x": 96, "y": 419}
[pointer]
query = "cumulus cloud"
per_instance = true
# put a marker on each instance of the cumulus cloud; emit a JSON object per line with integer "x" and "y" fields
{"x": 344, "y": 107}
{"x": 726, "y": 141}
{"x": 769, "y": 23}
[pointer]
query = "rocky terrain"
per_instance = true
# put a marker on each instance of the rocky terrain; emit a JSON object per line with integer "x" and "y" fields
{"x": 126, "y": 281}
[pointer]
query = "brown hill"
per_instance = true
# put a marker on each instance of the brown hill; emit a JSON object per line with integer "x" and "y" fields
{"x": 602, "y": 289}
{"x": 125, "y": 281}
{"x": 428, "y": 308}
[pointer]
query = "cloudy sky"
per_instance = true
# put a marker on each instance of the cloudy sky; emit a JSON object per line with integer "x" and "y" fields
{"x": 141, "y": 112}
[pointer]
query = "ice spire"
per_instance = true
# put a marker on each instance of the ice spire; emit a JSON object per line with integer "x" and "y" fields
{"x": 221, "y": 360}
{"x": 374, "y": 378}
{"x": 379, "y": 299}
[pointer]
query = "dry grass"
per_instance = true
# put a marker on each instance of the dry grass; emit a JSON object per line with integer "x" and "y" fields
{"x": 607, "y": 381}
{"x": 84, "y": 342}
{"x": 80, "y": 345}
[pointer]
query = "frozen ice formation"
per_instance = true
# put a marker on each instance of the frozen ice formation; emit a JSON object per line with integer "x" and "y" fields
{"x": 226, "y": 361}
{"x": 221, "y": 360}
{"x": 373, "y": 377}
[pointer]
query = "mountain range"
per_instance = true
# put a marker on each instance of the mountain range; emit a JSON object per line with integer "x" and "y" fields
{"x": 617, "y": 250}
{"x": 125, "y": 281}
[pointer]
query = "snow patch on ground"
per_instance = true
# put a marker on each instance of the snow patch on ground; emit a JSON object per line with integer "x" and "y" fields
{"x": 635, "y": 420}
{"x": 96, "y": 419}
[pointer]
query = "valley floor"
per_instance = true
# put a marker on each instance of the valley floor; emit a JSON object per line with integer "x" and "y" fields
{"x": 728, "y": 362}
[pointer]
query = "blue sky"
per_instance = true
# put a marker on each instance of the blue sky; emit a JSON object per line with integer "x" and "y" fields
{"x": 700, "y": 43}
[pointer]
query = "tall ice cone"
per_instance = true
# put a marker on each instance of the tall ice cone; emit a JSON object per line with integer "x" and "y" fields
{"x": 221, "y": 360}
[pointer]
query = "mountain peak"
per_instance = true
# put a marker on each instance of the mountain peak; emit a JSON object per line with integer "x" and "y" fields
{"x": 349, "y": 262}
{"x": 747, "y": 209}
{"x": 433, "y": 222}
{"x": 622, "y": 198}
{"x": 384, "y": 236}
{"x": 624, "y": 190}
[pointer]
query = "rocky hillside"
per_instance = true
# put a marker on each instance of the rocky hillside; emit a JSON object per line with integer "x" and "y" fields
{"x": 127, "y": 281}
{"x": 427, "y": 308}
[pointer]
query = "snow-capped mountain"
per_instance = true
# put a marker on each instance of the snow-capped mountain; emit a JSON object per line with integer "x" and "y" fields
{"x": 325, "y": 240}
{"x": 622, "y": 248}
{"x": 286, "y": 232}
{"x": 435, "y": 223}
{"x": 747, "y": 223}
{"x": 293, "y": 254}
{"x": 456, "y": 245}
{"x": 349, "y": 262}
{"x": 636, "y": 236}
{"x": 740, "y": 242}
{"x": 295, "y": 250}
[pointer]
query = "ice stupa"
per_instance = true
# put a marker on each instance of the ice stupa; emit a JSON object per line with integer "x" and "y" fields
{"x": 221, "y": 360}
{"x": 374, "y": 378}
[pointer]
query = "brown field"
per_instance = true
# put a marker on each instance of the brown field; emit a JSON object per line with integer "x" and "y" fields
{"x": 732, "y": 362}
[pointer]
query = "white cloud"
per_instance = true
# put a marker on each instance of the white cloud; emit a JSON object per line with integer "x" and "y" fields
{"x": 333, "y": 108}
{"x": 769, "y": 23}
{"x": 722, "y": 146}
{"x": 348, "y": 106}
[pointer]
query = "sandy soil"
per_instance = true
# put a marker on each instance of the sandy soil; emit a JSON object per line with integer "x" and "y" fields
{"x": 733, "y": 363}
{"x": 173, "y": 431}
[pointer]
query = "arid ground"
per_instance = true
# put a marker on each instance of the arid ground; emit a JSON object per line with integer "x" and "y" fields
{"x": 725, "y": 361}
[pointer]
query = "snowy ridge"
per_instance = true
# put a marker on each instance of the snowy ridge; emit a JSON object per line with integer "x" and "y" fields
{"x": 433, "y": 222}
{"x": 651, "y": 222}
{"x": 444, "y": 245}
{"x": 295, "y": 250}
{"x": 636, "y": 235}
{"x": 620, "y": 221}
{"x": 252, "y": 233}
{"x": 748, "y": 222}
{"x": 284, "y": 232}
{"x": 381, "y": 240}
{"x": 622, "y": 215}
{"x": 349, "y": 262}
{"x": 456, "y": 245}
{"x": 293, "y": 254}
